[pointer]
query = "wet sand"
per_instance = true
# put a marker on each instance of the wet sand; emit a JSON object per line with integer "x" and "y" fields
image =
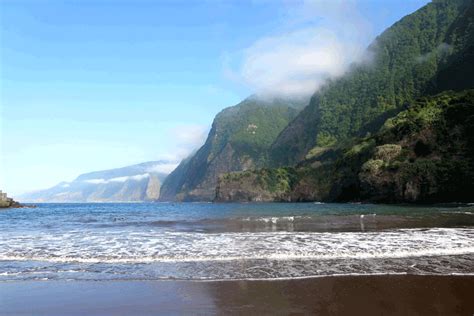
{"x": 348, "y": 295}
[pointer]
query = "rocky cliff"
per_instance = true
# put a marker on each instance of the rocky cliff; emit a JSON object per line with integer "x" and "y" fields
{"x": 423, "y": 154}
{"x": 6, "y": 202}
{"x": 239, "y": 140}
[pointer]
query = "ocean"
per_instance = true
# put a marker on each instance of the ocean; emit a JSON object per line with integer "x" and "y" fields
{"x": 205, "y": 241}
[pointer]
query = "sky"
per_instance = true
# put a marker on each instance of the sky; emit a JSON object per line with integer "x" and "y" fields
{"x": 91, "y": 85}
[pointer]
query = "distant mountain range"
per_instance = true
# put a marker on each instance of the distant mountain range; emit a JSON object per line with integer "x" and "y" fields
{"x": 136, "y": 183}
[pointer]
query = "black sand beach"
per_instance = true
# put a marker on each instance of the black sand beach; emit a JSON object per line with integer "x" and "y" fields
{"x": 345, "y": 295}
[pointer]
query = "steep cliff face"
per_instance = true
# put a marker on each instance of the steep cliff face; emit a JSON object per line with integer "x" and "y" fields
{"x": 427, "y": 153}
{"x": 284, "y": 184}
{"x": 174, "y": 181}
{"x": 152, "y": 192}
{"x": 239, "y": 140}
{"x": 424, "y": 53}
{"x": 423, "y": 154}
{"x": 135, "y": 183}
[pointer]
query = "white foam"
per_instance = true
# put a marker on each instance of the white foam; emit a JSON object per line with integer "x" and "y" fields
{"x": 137, "y": 177}
{"x": 143, "y": 247}
{"x": 459, "y": 212}
{"x": 273, "y": 220}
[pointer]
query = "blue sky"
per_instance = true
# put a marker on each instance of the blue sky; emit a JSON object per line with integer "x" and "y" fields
{"x": 90, "y": 85}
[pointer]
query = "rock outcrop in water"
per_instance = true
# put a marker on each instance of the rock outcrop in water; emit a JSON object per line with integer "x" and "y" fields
{"x": 6, "y": 202}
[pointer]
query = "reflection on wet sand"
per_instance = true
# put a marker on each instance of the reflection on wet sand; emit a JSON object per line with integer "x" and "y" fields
{"x": 349, "y": 295}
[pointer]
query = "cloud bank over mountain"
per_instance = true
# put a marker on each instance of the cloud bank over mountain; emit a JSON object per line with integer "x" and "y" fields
{"x": 318, "y": 40}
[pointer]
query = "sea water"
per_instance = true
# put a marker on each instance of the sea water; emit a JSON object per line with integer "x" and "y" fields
{"x": 205, "y": 241}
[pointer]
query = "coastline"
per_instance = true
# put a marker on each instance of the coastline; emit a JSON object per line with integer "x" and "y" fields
{"x": 334, "y": 295}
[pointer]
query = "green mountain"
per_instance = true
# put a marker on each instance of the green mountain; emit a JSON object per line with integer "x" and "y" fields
{"x": 353, "y": 135}
{"x": 375, "y": 134}
{"x": 423, "y": 154}
{"x": 424, "y": 53}
{"x": 239, "y": 140}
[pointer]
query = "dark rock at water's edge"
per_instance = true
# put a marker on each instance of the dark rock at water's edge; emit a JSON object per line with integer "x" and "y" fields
{"x": 6, "y": 202}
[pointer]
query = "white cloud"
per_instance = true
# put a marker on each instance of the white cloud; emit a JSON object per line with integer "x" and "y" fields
{"x": 163, "y": 168}
{"x": 440, "y": 50}
{"x": 318, "y": 41}
{"x": 189, "y": 135}
{"x": 96, "y": 181}
{"x": 187, "y": 138}
{"x": 137, "y": 177}
{"x": 62, "y": 194}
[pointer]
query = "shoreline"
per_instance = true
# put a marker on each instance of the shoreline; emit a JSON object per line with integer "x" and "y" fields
{"x": 335, "y": 295}
{"x": 272, "y": 279}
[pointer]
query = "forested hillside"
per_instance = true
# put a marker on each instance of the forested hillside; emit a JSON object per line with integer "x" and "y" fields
{"x": 376, "y": 123}
{"x": 423, "y": 154}
{"x": 424, "y": 53}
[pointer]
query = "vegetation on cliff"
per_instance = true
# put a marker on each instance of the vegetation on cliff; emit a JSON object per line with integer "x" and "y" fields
{"x": 418, "y": 55}
{"x": 425, "y": 153}
{"x": 239, "y": 140}
{"x": 372, "y": 134}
